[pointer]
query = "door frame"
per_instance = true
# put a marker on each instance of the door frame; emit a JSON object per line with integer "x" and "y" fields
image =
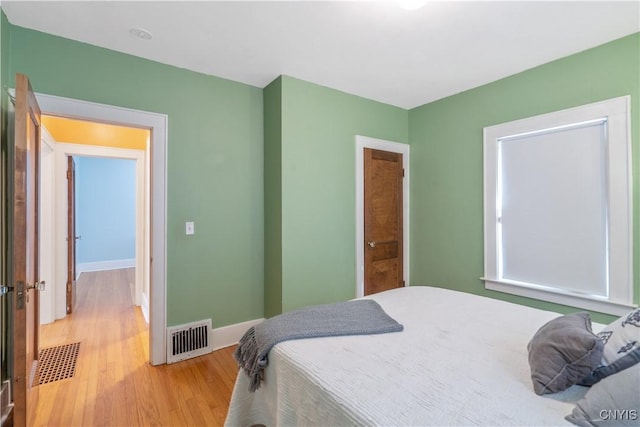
{"x": 62, "y": 152}
{"x": 158, "y": 124}
{"x": 363, "y": 142}
{"x": 47, "y": 224}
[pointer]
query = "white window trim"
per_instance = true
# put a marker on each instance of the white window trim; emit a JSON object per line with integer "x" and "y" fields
{"x": 617, "y": 112}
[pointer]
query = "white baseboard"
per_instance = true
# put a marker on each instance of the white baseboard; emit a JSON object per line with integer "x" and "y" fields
{"x": 230, "y": 335}
{"x": 113, "y": 264}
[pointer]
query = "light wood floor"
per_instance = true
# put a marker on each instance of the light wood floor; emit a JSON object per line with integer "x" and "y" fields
{"x": 114, "y": 385}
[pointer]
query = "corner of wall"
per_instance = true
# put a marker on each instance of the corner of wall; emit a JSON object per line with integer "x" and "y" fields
{"x": 272, "y": 103}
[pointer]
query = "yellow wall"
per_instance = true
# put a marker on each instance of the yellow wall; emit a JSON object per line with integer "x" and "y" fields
{"x": 91, "y": 133}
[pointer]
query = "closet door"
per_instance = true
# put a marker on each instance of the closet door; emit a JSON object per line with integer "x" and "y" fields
{"x": 383, "y": 218}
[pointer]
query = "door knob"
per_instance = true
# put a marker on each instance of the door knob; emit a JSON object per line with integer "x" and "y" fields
{"x": 38, "y": 286}
{"x": 372, "y": 244}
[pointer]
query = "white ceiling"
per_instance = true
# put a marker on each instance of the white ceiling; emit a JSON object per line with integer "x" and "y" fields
{"x": 369, "y": 48}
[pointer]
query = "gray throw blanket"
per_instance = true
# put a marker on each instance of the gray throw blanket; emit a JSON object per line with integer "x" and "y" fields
{"x": 358, "y": 317}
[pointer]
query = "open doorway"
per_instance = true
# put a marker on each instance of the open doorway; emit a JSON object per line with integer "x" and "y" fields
{"x": 96, "y": 184}
{"x": 102, "y": 222}
{"x": 155, "y": 165}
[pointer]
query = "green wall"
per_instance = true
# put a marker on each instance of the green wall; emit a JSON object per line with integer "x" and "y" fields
{"x": 446, "y": 158}
{"x": 318, "y": 186}
{"x": 4, "y": 47}
{"x": 310, "y": 189}
{"x": 273, "y": 198}
{"x": 214, "y": 172}
{"x": 268, "y": 175}
{"x": 5, "y": 38}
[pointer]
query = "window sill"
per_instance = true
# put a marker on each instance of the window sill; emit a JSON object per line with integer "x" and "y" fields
{"x": 587, "y": 302}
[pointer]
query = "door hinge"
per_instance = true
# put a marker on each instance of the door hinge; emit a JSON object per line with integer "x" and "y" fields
{"x": 68, "y": 174}
{"x": 403, "y": 172}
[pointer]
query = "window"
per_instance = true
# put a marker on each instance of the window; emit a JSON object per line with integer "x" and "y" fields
{"x": 557, "y": 207}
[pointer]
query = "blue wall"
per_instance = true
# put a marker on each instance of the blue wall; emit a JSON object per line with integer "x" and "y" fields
{"x": 105, "y": 206}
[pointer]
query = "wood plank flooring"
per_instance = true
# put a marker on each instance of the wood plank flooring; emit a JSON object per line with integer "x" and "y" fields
{"x": 114, "y": 384}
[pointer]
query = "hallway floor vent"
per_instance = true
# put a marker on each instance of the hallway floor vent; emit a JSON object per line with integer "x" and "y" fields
{"x": 189, "y": 340}
{"x": 57, "y": 363}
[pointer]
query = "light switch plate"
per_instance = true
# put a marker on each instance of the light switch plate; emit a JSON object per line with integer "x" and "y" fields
{"x": 190, "y": 228}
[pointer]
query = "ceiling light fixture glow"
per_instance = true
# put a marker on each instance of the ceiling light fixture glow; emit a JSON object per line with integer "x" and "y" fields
{"x": 411, "y": 4}
{"x": 140, "y": 33}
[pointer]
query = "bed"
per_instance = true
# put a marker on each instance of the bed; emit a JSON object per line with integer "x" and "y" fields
{"x": 461, "y": 360}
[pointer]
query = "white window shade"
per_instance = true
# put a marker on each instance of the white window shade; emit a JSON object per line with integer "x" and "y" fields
{"x": 553, "y": 221}
{"x": 558, "y": 207}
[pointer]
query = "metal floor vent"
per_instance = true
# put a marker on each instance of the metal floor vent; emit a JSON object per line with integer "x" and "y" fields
{"x": 189, "y": 340}
{"x": 57, "y": 363}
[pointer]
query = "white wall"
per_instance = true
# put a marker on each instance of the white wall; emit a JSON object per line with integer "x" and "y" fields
{"x": 47, "y": 221}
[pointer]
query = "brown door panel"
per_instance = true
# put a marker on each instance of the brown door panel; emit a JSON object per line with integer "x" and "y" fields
{"x": 25, "y": 163}
{"x": 383, "y": 273}
{"x": 384, "y": 250}
{"x": 71, "y": 234}
{"x": 383, "y": 220}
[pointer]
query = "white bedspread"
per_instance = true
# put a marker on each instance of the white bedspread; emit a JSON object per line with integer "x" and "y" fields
{"x": 461, "y": 360}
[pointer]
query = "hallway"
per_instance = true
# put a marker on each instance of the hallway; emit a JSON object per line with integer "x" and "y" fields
{"x": 114, "y": 385}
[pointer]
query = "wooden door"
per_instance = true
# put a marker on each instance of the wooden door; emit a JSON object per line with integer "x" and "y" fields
{"x": 25, "y": 158}
{"x": 71, "y": 234}
{"x": 383, "y": 219}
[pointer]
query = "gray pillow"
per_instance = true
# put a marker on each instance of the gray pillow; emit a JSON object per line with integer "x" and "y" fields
{"x": 614, "y": 401}
{"x": 563, "y": 352}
